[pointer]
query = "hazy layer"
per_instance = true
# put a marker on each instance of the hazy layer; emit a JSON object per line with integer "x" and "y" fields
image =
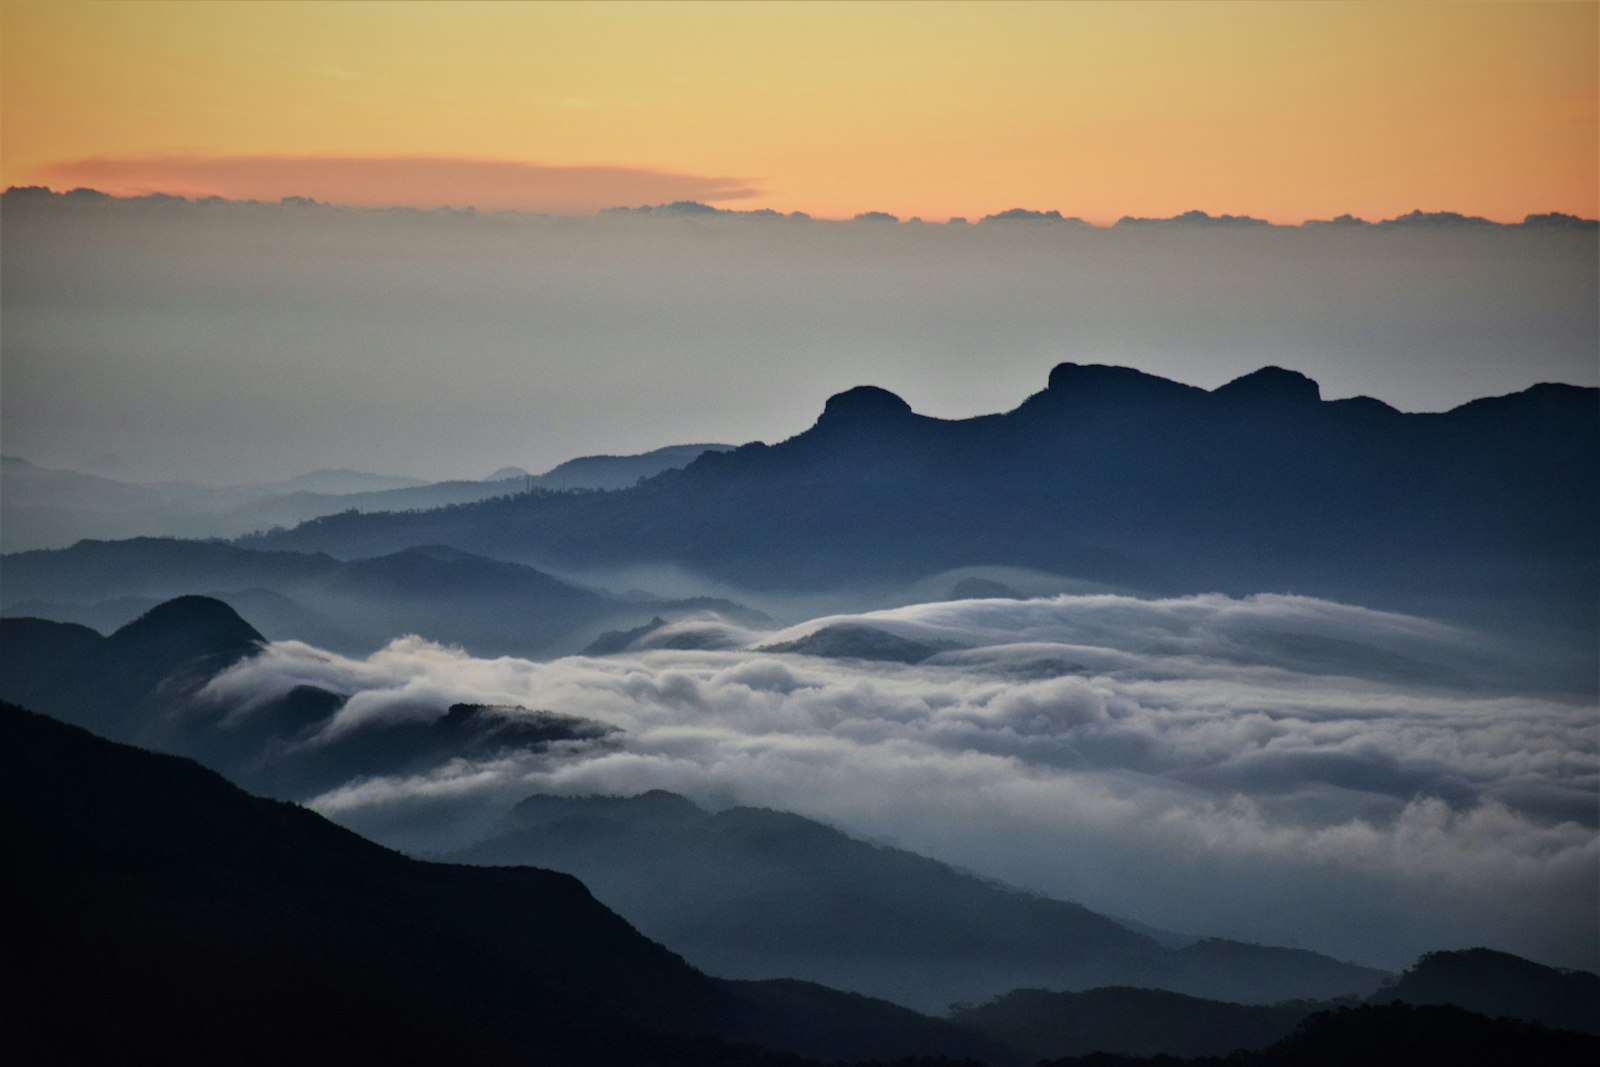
{"x": 1274, "y": 768}
{"x": 232, "y": 343}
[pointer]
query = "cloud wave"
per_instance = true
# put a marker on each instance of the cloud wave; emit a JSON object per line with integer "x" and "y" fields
{"x": 1271, "y": 768}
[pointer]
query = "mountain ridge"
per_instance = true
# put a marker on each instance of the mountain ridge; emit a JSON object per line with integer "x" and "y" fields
{"x": 181, "y": 912}
{"x": 1112, "y": 475}
{"x": 745, "y": 890}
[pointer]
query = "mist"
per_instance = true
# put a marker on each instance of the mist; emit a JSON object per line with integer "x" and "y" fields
{"x": 1273, "y": 769}
{"x": 229, "y": 342}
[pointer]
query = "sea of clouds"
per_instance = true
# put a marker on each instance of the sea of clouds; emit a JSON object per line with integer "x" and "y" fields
{"x": 1273, "y": 768}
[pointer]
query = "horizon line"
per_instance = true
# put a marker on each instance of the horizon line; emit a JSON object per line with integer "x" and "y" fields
{"x": 696, "y": 208}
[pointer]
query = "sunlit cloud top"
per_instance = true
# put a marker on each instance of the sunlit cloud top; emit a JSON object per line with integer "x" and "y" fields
{"x": 1286, "y": 111}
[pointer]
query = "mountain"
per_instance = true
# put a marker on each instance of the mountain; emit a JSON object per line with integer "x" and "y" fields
{"x": 341, "y": 480}
{"x": 488, "y": 606}
{"x": 1489, "y": 511}
{"x": 1500, "y": 984}
{"x": 133, "y": 684}
{"x": 144, "y": 684}
{"x": 621, "y": 472}
{"x": 51, "y": 508}
{"x": 749, "y": 892}
{"x": 1143, "y": 1022}
{"x": 492, "y": 607}
{"x": 1390, "y": 1035}
{"x": 843, "y": 640}
{"x": 153, "y": 567}
{"x": 1192, "y": 218}
{"x": 1130, "y": 1022}
{"x": 155, "y": 913}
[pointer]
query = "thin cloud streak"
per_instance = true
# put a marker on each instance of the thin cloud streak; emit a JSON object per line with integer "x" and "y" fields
{"x": 399, "y": 181}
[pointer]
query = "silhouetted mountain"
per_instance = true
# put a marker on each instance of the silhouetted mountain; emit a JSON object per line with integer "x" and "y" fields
{"x": 488, "y": 606}
{"x": 155, "y": 913}
{"x": 1392, "y": 1035}
{"x": 278, "y": 617}
{"x": 132, "y": 684}
{"x": 749, "y": 892}
{"x": 340, "y": 481}
{"x": 1345, "y": 220}
{"x": 143, "y": 684}
{"x": 1131, "y": 1022}
{"x": 1018, "y": 214}
{"x": 449, "y": 595}
{"x": 1144, "y": 1022}
{"x": 614, "y": 641}
{"x": 48, "y": 508}
{"x": 187, "y": 637}
{"x": 154, "y": 567}
{"x": 1220, "y": 969}
{"x": 1489, "y": 511}
{"x": 848, "y": 641}
{"x": 620, "y": 472}
{"x": 1498, "y": 983}
{"x": 1193, "y": 218}
{"x": 36, "y": 655}
{"x": 1559, "y": 220}
{"x": 1436, "y": 218}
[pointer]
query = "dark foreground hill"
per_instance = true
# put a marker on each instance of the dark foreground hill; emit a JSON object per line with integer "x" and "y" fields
{"x": 1111, "y": 475}
{"x": 155, "y": 913}
{"x": 1498, "y": 983}
{"x": 1391, "y": 1035}
{"x": 1040, "y": 1024}
{"x": 1144, "y": 1022}
{"x": 749, "y": 892}
{"x": 746, "y": 893}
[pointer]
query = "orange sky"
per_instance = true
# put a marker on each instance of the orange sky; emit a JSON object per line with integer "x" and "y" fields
{"x": 1285, "y": 111}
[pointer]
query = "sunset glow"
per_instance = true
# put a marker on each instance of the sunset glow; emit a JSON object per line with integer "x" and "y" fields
{"x": 1099, "y": 110}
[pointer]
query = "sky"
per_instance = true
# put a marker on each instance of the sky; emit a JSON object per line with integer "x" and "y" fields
{"x": 232, "y": 342}
{"x": 1282, "y": 111}
{"x": 138, "y": 338}
{"x": 228, "y": 343}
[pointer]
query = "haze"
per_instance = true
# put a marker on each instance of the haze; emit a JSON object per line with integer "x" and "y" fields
{"x": 140, "y": 334}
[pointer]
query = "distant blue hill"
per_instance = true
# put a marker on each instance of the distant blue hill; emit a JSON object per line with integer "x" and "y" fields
{"x": 1490, "y": 510}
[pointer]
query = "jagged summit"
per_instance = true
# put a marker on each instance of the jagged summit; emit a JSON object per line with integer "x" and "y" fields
{"x": 862, "y": 402}
{"x": 1272, "y": 384}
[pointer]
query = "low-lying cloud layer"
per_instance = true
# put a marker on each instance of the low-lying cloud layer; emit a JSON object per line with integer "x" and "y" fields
{"x": 1274, "y": 768}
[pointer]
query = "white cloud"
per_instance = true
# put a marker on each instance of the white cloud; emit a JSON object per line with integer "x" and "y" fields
{"x": 1274, "y": 768}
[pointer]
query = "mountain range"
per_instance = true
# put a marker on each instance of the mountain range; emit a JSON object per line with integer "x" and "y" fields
{"x": 488, "y": 606}
{"x": 1488, "y": 512}
{"x": 51, "y": 508}
{"x": 749, "y": 892}
{"x": 158, "y": 909}
{"x": 154, "y": 910}
{"x": 745, "y": 893}
{"x": 146, "y": 684}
